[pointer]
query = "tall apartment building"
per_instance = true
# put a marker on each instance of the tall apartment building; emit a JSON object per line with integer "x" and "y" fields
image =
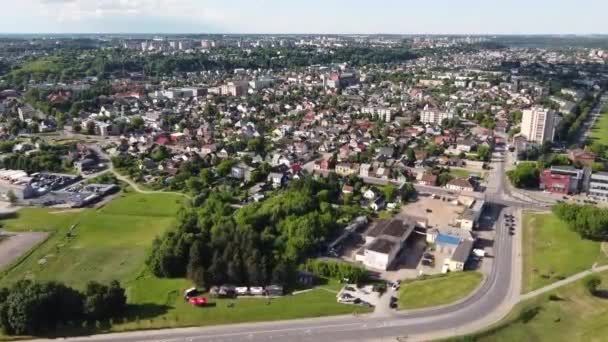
{"x": 538, "y": 124}
{"x": 434, "y": 117}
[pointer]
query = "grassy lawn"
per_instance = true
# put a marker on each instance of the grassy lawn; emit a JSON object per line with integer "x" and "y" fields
{"x": 600, "y": 130}
{"x": 574, "y": 316}
{"x": 460, "y": 173}
{"x": 105, "y": 244}
{"x": 164, "y": 298}
{"x": 438, "y": 290}
{"x": 552, "y": 251}
{"x": 112, "y": 243}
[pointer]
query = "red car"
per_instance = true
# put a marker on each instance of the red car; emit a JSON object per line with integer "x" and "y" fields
{"x": 198, "y": 301}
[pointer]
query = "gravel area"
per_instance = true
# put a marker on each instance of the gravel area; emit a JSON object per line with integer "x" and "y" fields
{"x": 14, "y": 245}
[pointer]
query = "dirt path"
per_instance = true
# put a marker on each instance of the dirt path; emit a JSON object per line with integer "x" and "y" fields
{"x": 14, "y": 245}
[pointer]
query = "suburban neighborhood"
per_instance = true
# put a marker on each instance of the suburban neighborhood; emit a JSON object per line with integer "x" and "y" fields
{"x": 154, "y": 182}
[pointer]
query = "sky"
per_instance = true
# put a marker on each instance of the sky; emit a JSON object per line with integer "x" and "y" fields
{"x": 308, "y": 16}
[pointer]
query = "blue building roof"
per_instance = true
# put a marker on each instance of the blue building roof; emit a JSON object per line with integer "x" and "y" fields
{"x": 447, "y": 239}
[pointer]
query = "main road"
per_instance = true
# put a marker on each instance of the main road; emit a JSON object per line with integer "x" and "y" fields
{"x": 490, "y": 303}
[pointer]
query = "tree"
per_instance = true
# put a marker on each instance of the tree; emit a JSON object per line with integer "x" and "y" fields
{"x": 103, "y": 302}
{"x": 12, "y": 198}
{"x": 525, "y": 175}
{"x": 223, "y": 169}
{"x": 195, "y": 269}
{"x": 390, "y": 192}
{"x": 160, "y": 153}
{"x": 91, "y": 127}
{"x": 76, "y": 126}
{"x": 592, "y": 284}
{"x": 410, "y": 155}
{"x": 484, "y": 153}
{"x": 31, "y": 308}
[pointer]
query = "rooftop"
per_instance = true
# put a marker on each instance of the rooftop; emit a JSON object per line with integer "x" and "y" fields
{"x": 381, "y": 245}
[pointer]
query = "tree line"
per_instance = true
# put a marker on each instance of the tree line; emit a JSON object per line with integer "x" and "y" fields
{"x": 34, "y": 308}
{"x": 588, "y": 221}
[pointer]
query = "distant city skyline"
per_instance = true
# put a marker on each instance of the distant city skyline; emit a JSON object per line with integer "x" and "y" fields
{"x": 311, "y": 16}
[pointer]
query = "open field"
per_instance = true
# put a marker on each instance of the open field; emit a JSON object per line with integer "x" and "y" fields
{"x": 112, "y": 243}
{"x": 439, "y": 290}
{"x": 105, "y": 244}
{"x": 572, "y": 315}
{"x": 552, "y": 252}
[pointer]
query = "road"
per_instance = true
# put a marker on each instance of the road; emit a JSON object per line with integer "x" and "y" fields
{"x": 125, "y": 179}
{"x": 490, "y": 303}
{"x": 594, "y": 114}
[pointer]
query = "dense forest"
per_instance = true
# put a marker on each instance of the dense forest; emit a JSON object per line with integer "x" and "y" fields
{"x": 72, "y": 64}
{"x": 255, "y": 245}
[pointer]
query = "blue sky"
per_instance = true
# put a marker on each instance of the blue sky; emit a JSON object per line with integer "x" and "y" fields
{"x": 310, "y": 16}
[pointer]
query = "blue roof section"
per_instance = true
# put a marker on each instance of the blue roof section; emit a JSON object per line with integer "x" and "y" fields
{"x": 447, "y": 239}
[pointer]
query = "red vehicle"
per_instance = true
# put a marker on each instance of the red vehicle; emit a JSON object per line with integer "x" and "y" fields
{"x": 198, "y": 301}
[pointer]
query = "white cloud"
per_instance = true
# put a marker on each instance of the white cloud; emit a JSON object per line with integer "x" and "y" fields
{"x": 78, "y": 10}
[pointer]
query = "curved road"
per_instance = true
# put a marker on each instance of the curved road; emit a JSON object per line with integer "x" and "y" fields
{"x": 489, "y": 304}
{"x": 493, "y": 300}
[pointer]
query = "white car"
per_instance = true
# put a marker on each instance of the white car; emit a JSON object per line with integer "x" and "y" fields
{"x": 256, "y": 291}
{"x": 242, "y": 291}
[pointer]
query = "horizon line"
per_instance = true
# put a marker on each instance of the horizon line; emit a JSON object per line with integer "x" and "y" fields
{"x": 307, "y": 33}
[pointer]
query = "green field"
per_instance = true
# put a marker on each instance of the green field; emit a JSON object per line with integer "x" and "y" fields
{"x": 112, "y": 243}
{"x": 439, "y": 290}
{"x": 460, "y": 173}
{"x": 572, "y": 315}
{"x": 600, "y": 130}
{"x": 552, "y": 251}
{"x": 164, "y": 296}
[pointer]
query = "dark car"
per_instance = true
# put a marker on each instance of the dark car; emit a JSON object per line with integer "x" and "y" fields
{"x": 393, "y": 303}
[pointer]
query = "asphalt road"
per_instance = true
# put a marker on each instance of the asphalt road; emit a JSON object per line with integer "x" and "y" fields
{"x": 476, "y": 311}
{"x": 477, "y": 307}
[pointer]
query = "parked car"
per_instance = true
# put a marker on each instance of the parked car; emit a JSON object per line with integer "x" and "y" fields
{"x": 198, "y": 301}
{"x": 257, "y": 290}
{"x": 242, "y": 291}
{"x": 393, "y": 303}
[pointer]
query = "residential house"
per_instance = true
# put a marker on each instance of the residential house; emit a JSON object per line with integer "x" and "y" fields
{"x": 580, "y": 156}
{"x": 460, "y": 184}
{"x": 428, "y": 179}
{"x": 241, "y": 171}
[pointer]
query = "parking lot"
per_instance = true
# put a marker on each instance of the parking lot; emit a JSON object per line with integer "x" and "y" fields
{"x": 439, "y": 212}
{"x": 365, "y": 295}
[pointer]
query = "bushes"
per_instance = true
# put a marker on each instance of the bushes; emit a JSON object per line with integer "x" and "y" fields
{"x": 31, "y": 308}
{"x": 592, "y": 283}
{"x": 589, "y": 221}
{"x": 336, "y": 270}
{"x": 525, "y": 175}
{"x": 255, "y": 245}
